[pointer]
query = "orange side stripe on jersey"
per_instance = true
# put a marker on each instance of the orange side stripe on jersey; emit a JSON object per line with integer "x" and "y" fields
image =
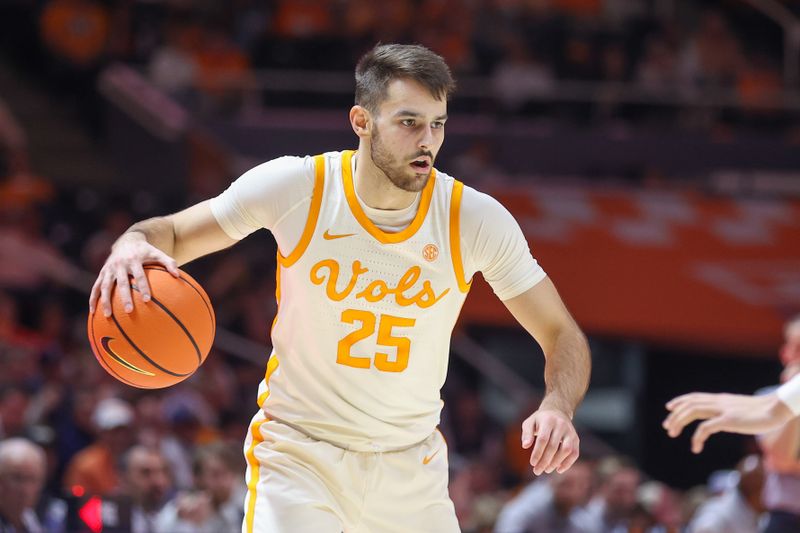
{"x": 313, "y": 214}
{"x": 252, "y": 483}
{"x": 455, "y": 236}
{"x": 272, "y": 366}
{"x": 366, "y": 223}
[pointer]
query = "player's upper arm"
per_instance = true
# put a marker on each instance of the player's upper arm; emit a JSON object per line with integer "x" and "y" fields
{"x": 197, "y": 233}
{"x": 493, "y": 243}
{"x": 259, "y": 198}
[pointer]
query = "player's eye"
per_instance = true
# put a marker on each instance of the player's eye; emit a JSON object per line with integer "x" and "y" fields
{"x": 409, "y": 122}
{"x": 437, "y": 125}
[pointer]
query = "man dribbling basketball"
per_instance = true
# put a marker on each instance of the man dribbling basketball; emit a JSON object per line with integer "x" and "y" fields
{"x": 376, "y": 250}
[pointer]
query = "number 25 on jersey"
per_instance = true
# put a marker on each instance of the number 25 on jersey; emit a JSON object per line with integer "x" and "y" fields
{"x": 385, "y": 325}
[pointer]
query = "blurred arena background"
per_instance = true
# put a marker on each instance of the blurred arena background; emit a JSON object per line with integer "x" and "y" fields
{"x": 649, "y": 148}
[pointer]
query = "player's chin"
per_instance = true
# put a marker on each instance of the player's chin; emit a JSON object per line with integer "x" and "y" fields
{"x": 418, "y": 179}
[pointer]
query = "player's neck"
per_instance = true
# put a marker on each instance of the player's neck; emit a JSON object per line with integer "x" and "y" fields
{"x": 375, "y": 189}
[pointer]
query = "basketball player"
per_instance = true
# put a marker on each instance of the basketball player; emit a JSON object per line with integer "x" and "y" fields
{"x": 735, "y": 413}
{"x": 376, "y": 252}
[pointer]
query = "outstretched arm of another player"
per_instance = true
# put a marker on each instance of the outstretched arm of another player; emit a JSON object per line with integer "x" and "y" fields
{"x": 170, "y": 241}
{"x": 734, "y": 413}
{"x": 567, "y": 368}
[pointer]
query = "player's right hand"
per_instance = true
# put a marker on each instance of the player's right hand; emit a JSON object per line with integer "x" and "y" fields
{"x": 128, "y": 255}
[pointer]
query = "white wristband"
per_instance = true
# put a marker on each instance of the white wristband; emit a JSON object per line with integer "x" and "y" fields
{"x": 789, "y": 393}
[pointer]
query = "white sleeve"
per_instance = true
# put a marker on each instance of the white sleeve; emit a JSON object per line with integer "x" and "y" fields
{"x": 492, "y": 243}
{"x": 789, "y": 393}
{"x": 264, "y": 195}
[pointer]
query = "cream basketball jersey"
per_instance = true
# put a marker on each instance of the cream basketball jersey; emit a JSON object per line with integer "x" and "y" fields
{"x": 362, "y": 335}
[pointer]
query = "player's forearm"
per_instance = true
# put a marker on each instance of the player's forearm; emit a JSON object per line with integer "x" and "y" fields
{"x": 567, "y": 369}
{"x": 157, "y": 231}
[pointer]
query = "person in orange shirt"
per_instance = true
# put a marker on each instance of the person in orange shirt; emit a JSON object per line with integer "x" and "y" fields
{"x": 95, "y": 469}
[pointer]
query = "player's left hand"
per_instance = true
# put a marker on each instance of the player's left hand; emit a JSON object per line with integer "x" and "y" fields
{"x": 555, "y": 442}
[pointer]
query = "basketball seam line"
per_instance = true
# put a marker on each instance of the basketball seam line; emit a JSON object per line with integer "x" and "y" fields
{"x": 204, "y": 298}
{"x": 135, "y": 347}
{"x": 177, "y": 321}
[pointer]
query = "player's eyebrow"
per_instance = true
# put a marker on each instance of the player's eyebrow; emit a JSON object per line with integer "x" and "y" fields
{"x": 408, "y": 113}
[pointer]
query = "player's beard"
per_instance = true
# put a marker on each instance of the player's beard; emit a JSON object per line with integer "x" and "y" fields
{"x": 398, "y": 172}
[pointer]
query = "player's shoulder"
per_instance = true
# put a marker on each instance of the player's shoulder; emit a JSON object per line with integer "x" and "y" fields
{"x": 473, "y": 201}
{"x": 281, "y": 163}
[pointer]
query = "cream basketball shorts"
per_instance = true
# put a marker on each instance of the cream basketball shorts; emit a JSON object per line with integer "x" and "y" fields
{"x": 297, "y": 484}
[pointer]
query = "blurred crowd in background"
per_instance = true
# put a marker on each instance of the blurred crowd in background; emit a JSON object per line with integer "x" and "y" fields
{"x": 68, "y": 430}
{"x": 660, "y": 54}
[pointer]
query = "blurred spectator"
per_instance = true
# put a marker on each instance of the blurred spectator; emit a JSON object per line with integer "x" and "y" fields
{"x": 615, "y": 503}
{"x": 13, "y": 404}
{"x": 147, "y": 483}
{"x": 216, "y": 504}
{"x": 173, "y": 67}
{"x": 790, "y": 349}
{"x": 519, "y": 77}
{"x": 178, "y": 445}
{"x": 712, "y": 58}
{"x": 477, "y": 167}
{"x": 553, "y": 503}
{"x": 661, "y": 504}
{"x": 22, "y": 476}
{"x": 76, "y": 33}
{"x": 759, "y": 85}
{"x": 303, "y": 19}
{"x": 223, "y": 71}
{"x": 657, "y": 72}
{"x": 95, "y": 469}
{"x": 477, "y": 495}
{"x": 473, "y": 433}
{"x": 737, "y": 509}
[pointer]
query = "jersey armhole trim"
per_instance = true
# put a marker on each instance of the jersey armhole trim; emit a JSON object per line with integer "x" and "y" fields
{"x": 455, "y": 236}
{"x": 313, "y": 215}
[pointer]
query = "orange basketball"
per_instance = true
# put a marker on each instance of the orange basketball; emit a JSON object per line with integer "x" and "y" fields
{"x": 161, "y": 342}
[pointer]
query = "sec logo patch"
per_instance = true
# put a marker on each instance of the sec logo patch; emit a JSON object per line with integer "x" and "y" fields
{"x": 430, "y": 252}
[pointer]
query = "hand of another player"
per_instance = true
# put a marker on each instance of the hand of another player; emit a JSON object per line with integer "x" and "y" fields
{"x": 735, "y": 413}
{"x": 555, "y": 442}
{"x": 127, "y": 258}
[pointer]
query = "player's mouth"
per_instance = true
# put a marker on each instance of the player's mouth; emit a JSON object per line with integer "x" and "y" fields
{"x": 423, "y": 164}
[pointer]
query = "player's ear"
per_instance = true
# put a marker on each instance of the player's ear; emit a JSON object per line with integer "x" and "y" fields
{"x": 361, "y": 121}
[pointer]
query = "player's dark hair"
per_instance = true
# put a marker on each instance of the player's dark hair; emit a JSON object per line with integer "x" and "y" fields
{"x": 388, "y": 62}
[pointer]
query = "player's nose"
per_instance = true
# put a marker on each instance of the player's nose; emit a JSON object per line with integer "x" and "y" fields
{"x": 426, "y": 140}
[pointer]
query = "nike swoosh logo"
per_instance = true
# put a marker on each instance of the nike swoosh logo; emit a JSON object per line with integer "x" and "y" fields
{"x": 130, "y": 366}
{"x": 328, "y": 236}
{"x": 428, "y": 458}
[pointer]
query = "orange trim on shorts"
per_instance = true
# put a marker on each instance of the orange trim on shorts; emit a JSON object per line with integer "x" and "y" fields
{"x": 313, "y": 214}
{"x": 382, "y": 236}
{"x": 455, "y": 236}
{"x": 252, "y": 483}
